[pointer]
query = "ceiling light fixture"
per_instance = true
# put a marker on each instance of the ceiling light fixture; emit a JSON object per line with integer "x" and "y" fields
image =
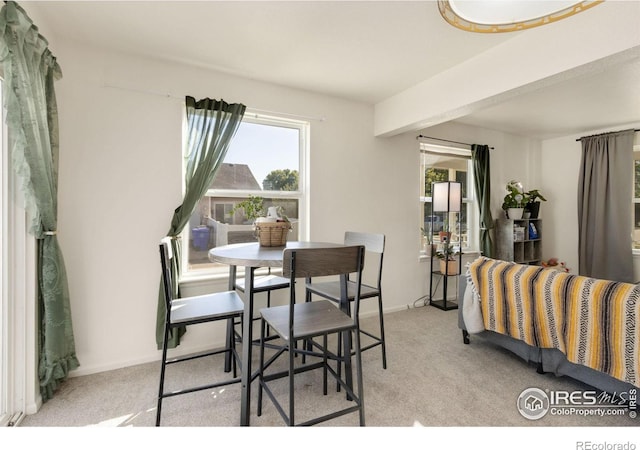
{"x": 500, "y": 16}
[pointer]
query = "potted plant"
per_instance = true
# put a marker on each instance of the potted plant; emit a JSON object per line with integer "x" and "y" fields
{"x": 448, "y": 257}
{"x": 515, "y": 200}
{"x": 427, "y": 241}
{"x": 534, "y": 197}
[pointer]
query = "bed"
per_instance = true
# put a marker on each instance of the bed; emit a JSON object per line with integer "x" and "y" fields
{"x": 570, "y": 325}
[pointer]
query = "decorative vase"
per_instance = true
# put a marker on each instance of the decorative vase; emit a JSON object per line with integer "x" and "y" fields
{"x": 449, "y": 267}
{"x": 515, "y": 213}
{"x": 430, "y": 249}
{"x": 534, "y": 208}
{"x": 445, "y": 236}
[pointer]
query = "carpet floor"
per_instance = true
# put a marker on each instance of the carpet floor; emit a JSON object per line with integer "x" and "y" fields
{"x": 432, "y": 381}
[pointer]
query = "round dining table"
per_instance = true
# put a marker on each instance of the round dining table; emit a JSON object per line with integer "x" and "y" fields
{"x": 251, "y": 256}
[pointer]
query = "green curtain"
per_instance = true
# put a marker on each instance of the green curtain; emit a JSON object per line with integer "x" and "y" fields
{"x": 32, "y": 121}
{"x": 211, "y": 124}
{"x": 482, "y": 177}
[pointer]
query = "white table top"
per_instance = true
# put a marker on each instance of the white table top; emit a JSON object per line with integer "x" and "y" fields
{"x": 254, "y": 255}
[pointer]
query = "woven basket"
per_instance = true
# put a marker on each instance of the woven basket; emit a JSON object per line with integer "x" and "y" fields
{"x": 272, "y": 234}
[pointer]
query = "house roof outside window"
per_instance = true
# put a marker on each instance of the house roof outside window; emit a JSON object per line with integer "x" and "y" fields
{"x": 236, "y": 177}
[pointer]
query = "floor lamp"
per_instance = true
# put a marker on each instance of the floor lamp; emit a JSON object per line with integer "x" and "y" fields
{"x": 447, "y": 198}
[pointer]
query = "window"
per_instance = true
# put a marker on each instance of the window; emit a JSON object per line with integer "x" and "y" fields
{"x": 266, "y": 159}
{"x": 439, "y": 163}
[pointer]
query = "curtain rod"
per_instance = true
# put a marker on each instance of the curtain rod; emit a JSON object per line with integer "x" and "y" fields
{"x": 295, "y": 116}
{"x": 251, "y": 111}
{"x": 445, "y": 140}
{"x": 602, "y": 134}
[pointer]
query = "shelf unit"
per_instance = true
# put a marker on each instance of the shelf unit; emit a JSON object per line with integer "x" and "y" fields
{"x": 524, "y": 248}
{"x": 435, "y": 273}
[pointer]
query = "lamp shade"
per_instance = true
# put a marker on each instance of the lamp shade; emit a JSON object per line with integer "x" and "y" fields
{"x": 447, "y": 196}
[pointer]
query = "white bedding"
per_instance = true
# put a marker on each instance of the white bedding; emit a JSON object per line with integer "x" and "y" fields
{"x": 471, "y": 312}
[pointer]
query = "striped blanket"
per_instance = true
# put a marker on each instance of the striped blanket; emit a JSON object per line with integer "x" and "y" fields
{"x": 593, "y": 322}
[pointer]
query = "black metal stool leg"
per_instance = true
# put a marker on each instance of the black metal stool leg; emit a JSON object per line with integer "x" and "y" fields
{"x": 383, "y": 342}
{"x": 162, "y": 371}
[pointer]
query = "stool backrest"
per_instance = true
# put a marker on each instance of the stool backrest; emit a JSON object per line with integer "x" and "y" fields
{"x": 166, "y": 255}
{"x": 374, "y": 247}
{"x": 319, "y": 262}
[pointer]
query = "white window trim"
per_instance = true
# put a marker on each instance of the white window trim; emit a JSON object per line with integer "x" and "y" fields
{"x": 302, "y": 195}
{"x": 19, "y": 388}
{"x": 5, "y": 293}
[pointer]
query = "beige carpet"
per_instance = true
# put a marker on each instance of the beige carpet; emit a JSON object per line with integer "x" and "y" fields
{"x": 432, "y": 380}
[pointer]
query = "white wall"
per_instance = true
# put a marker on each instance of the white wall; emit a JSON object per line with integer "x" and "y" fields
{"x": 120, "y": 180}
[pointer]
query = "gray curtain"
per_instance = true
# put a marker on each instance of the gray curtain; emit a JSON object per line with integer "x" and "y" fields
{"x": 605, "y": 193}
{"x": 482, "y": 177}
{"x": 211, "y": 124}
{"x": 32, "y": 121}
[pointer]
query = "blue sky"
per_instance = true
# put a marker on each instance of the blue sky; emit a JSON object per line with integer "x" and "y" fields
{"x": 264, "y": 148}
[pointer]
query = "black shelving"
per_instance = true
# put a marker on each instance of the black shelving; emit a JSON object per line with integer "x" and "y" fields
{"x": 442, "y": 272}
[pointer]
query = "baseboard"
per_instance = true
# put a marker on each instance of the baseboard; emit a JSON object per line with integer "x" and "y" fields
{"x": 84, "y": 370}
{"x": 90, "y": 370}
{"x": 33, "y": 407}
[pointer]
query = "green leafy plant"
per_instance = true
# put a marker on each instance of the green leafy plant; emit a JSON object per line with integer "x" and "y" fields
{"x": 428, "y": 235}
{"x": 253, "y": 207}
{"x": 448, "y": 252}
{"x": 534, "y": 195}
{"x": 516, "y": 196}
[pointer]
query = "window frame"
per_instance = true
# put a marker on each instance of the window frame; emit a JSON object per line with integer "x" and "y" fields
{"x": 5, "y": 307}
{"x": 473, "y": 217}
{"x": 19, "y": 394}
{"x": 301, "y": 195}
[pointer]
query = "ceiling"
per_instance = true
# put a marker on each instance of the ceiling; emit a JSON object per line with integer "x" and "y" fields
{"x": 360, "y": 50}
{"x": 600, "y": 101}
